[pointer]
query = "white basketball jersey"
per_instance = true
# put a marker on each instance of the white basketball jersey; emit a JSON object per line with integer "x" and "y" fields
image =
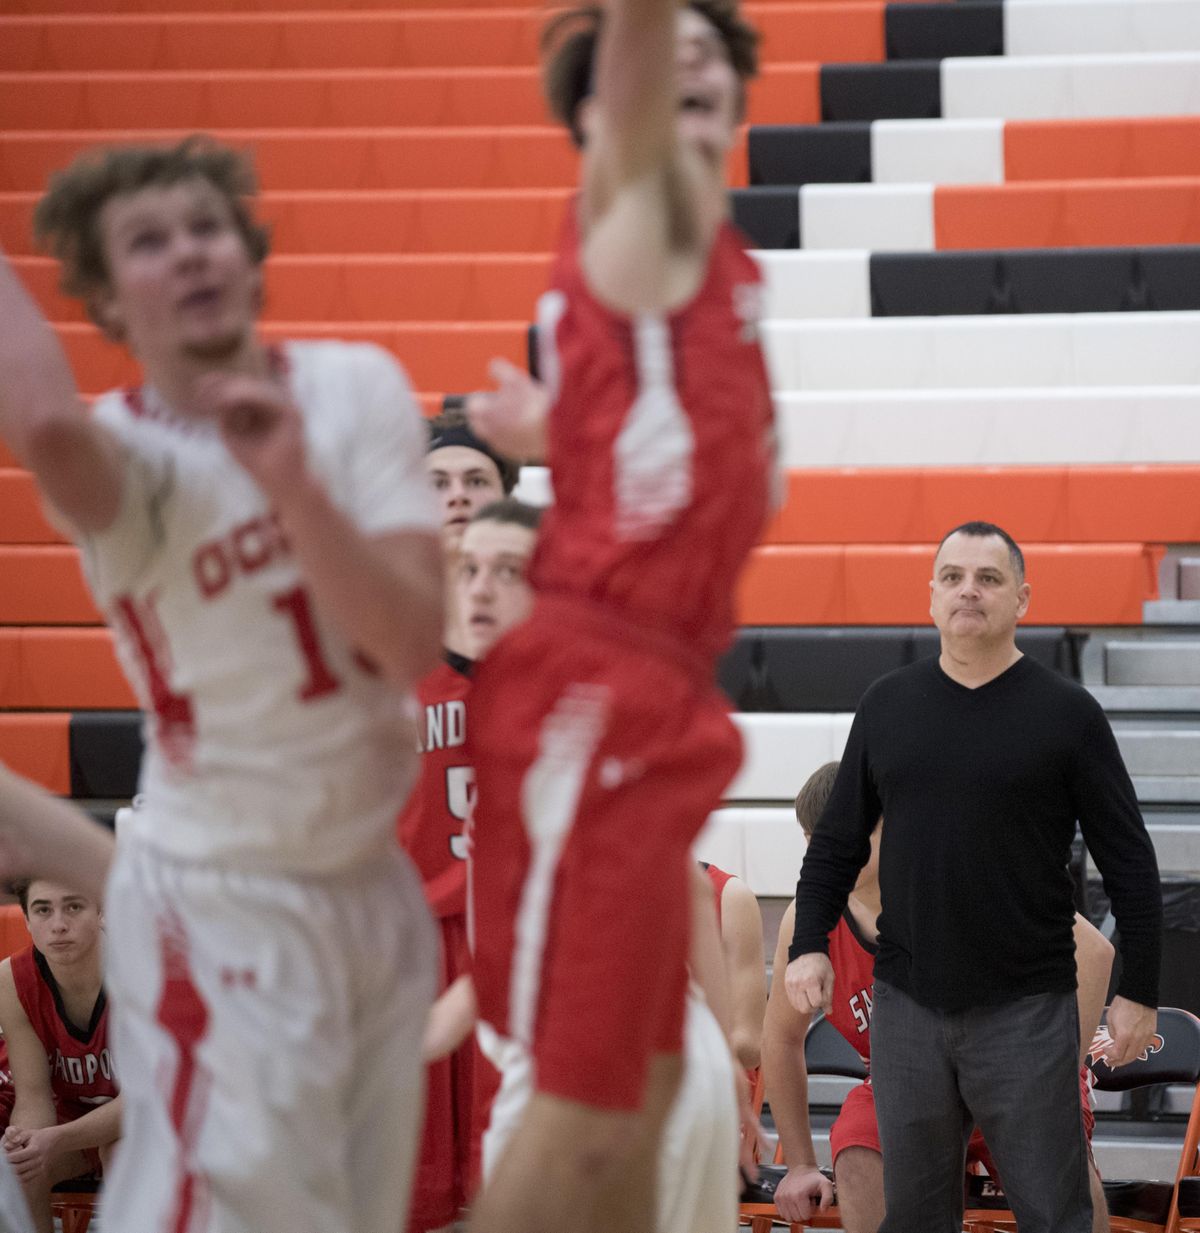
{"x": 270, "y": 741}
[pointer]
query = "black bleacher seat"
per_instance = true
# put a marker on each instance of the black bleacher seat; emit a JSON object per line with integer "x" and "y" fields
{"x": 930, "y": 31}
{"x": 1189, "y": 1198}
{"x": 805, "y": 669}
{"x": 1072, "y": 280}
{"x": 810, "y": 153}
{"x": 902, "y": 90}
{"x": 770, "y": 215}
{"x": 106, "y": 752}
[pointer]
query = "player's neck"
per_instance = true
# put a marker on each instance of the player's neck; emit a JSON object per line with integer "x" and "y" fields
{"x": 79, "y": 983}
{"x": 453, "y": 635}
{"x": 175, "y": 379}
{"x": 973, "y": 664}
{"x": 864, "y": 904}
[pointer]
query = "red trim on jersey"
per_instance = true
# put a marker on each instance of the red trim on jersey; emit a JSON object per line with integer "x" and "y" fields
{"x": 182, "y": 1012}
{"x": 175, "y": 717}
{"x": 718, "y": 878}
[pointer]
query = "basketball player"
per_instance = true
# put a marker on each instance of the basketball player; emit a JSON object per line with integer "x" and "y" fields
{"x": 854, "y": 1137}
{"x": 54, "y": 1015}
{"x": 257, "y": 527}
{"x": 467, "y": 474}
{"x": 600, "y": 743}
{"x": 487, "y": 593}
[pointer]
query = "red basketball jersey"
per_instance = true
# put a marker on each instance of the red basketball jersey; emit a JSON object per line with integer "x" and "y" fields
{"x": 718, "y": 878}
{"x": 853, "y": 959}
{"x": 81, "y": 1069}
{"x": 661, "y": 442}
{"x": 431, "y": 824}
{"x": 8, "y": 1095}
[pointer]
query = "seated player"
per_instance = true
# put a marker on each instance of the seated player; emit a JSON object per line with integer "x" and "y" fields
{"x": 479, "y": 607}
{"x": 54, "y": 1015}
{"x": 854, "y": 1138}
{"x": 739, "y": 920}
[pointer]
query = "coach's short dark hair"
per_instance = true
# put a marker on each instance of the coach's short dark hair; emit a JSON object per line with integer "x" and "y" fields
{"x": 66, "y": 222}
{"x": 981, "y": 530}
{"x": 814, "y": 796}
{"x": 569, "y": 53}
{"x": 510, "y": 510}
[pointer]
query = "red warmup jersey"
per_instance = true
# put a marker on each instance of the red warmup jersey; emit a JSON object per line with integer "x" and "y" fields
{"x": 853, "y": 959}
{"x": 718, "y": 878}
{"x": 661, "y": 442}
{"x": 81, "y": 1069}
{"x": 431, "y": 824}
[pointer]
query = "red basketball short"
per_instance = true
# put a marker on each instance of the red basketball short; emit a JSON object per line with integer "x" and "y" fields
{"x": 856, "y": 1125}
{"x": 599, "y": 753}
{"x": 458, "y": 1090}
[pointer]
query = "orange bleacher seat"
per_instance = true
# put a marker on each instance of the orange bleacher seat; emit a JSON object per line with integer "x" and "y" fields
{"x": 377, "y": 287}
{"x": 14, "y": 933}
{"x": 332, "y": 98}
{"x": 342, "y": 160}
{"x": 887, "y": 584}
{"x": 1065, "y": 214}
{"x": 36, "y": 746}
{"x": 43, "y": 585}
{"x": 437, "y": 355}
{"x": 61, "y": 669}
{"x": 1135, "y": 146}
{"x": 836, "y": 30}
{"x": 1110, "y": 504}
{"x": 21, "y": 517}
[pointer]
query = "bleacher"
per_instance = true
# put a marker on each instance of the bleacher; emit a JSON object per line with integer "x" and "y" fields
{"x": 980, "y": 223}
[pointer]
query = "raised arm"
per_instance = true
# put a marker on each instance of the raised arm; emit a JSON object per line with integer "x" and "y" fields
{"x": 76, "y": 463}
{"x": 45, "y": 837}
{"x": 785, "y": 1078}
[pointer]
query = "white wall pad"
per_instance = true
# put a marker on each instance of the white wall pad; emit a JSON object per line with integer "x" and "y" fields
{"x": 937, "y": 151}
{"x": 895, "y": 217}
{"x": 966, "y": 428}
{"x": 1052, "y": 27}
{"x": 782, "y": 751}
{"x": 895, "y": 353}
{"x": 804, "y": 285}
{"x": 769, "y": 846}
{"x": 1071, "y": 87}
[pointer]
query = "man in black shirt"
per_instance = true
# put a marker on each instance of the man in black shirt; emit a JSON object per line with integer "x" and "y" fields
{"x": 982, "y": 761}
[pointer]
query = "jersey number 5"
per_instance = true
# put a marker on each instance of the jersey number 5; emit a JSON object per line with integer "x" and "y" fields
{"x": 460, "y": 798}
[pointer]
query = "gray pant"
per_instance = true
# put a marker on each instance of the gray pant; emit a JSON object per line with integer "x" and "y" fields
{"x": 1013, "y": 1070}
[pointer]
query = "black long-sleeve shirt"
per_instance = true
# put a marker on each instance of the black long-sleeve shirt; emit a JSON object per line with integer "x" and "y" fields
{"x": 980, "y": 790}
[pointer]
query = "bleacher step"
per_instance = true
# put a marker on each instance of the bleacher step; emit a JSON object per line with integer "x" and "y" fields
{"x": 1175, "y": 662}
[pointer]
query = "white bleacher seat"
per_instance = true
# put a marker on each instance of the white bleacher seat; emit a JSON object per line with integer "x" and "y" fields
{"x": 881, "y": 217}
{"x": 816, "y": 284}
{"x": 782, "y": 751}
{"x": 937, "y": 152}
{"x": 953, "y": 428}
{"x": 1049, "y": 27}
{"x": 763, "y": 846}
{"x": 896, "y": 353}
{"x": 1070, "y": 87}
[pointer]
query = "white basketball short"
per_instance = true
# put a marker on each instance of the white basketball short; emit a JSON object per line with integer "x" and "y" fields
{"x": 268, "y": 1043}
{"x": 698, "y": 1182}
{"x": 14, "y": 1212}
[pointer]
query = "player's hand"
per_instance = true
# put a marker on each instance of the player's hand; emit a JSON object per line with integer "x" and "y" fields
{"x": 261, "y": 427}
{"x": 802, "y": 1191}
{"x": 809, "y": 983}
{"x": 1132, "y": 1028}
{"x": 512, "y": 417}
{"x": 31, "y": 1152}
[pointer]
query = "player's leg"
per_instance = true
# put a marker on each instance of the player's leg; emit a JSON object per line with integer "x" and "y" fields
{"x": 1019, "y": 1074}
{"x": 391, "y": 946}
{"x": 698, "y": 1179}
{"x": 923, "y": 1123}
{"x": 1100, "y": 1221}
{"x": 858, "y": 1162}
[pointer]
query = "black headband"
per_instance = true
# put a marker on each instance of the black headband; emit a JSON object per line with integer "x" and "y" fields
{"x": 460, "y": 434}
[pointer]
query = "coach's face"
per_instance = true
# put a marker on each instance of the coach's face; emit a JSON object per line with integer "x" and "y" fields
{"x": 975, "y": 593}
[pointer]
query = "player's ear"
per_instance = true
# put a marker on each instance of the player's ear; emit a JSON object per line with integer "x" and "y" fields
{"x": 102, "y": 307}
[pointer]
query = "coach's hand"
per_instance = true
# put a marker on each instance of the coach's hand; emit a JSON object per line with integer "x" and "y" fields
{"x": 801, "y": 1192}
{"x": 1132, "y": 1027}
{"x": 809, "y": 983}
